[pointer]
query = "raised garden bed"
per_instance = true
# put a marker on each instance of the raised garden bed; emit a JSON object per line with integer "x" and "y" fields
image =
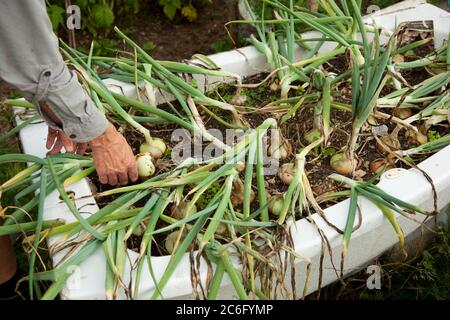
{"x": 313, "y": 249}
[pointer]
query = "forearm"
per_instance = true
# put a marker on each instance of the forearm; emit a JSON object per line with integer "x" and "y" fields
{"x": 31, "y": 62}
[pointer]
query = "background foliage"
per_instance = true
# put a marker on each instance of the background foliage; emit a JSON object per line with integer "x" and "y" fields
{"x": 99, "y": 15}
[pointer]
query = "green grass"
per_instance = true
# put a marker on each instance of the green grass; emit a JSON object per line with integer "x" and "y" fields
{"x": 225, "y": 43}
{"x": 8, "y": 170}
{"x": 425, "y": 278}
{"x": 428, "y": 277}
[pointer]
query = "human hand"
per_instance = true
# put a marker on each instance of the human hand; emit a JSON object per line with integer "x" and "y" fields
{"x": 113, "y": 158}
{"x": 57, "y": 139}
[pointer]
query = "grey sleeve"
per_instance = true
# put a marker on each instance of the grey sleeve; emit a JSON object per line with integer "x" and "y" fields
{"x": 30, "y": 61}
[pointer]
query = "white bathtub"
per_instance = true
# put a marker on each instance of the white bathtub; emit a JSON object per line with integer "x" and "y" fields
{"x": 373, "y": 238}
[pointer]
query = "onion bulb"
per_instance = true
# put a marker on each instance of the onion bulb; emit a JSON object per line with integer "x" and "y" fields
{"x": 280, "y": 148}
{"x": 237, "y": 193}
{"x": 398, "y": 58}
{"x": 343, "y": 164}
{"x": 274, "y": 86}
{"x": 171, "y": 240}
{"x": 287, "y": 173}
{"x": 156, "y": 147}
{"x": 403, "y": 113}
{"x": 388, "y": 141}
{"x": 181, "y": 210}
{"x": 145, "y": 166}
{"x": 380, "y": 164}
{"x": 139, "y": 230}
{"x": 391, "y": 158}
{"x": 276, "y": 205}
{"x": 240, "y": 166}
{"x": 221, "y": 229}
{"x": 416, "y": 137}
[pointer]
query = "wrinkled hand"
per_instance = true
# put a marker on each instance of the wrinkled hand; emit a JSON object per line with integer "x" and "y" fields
{"x": 113, "y": 158}
{"x": 57, "y": 139}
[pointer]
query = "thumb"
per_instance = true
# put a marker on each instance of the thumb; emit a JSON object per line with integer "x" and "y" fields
{"x": 51, "y": 137}
{"x": 68, "y": 144}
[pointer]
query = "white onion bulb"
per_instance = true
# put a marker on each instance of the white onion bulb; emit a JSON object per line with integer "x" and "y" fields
{"x": 156, "y": 147}
{"x": 145, "y": 166}
{"x": 180, "y": 212}
{"x": 279, "y": 148}
{"x": 171, "y": 241}
{"x": 287, "y": 173}
{"x": 277, "y": 205}
{"x": 343, "y": 164}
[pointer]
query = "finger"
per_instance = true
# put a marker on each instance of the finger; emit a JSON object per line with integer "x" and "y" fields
{"x": 101, "y": 171}
{"x": 123, "y": 178}
{"x": 68, "y": 144}
{"x": 132, "y": 172}
{"x": 57, "y": 147}
{"x": 112, "y": 179}
{"x": 81, "y": 148}
{"x": 102, "y": 177}
{"x": 51, "y": 137}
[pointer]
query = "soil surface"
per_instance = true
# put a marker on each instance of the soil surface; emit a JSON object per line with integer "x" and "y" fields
{"x": 177, "y": 39}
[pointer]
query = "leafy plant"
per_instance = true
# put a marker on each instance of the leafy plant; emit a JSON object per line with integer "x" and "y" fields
{"x": 425, "y": 277}
{"x": 56, "y": 15}
{"x": 221, "y": 45}
{"x": 170, "y": 7}
{"x": 187, "y": 8}
{"x": 102, "y": 16}
{"x": 149, "y": 46}
{"x": 104, "y": 46}
{"x": 95, "y": 14}
{"x": 433, "y": 135}
{"x": 189, "y": 12}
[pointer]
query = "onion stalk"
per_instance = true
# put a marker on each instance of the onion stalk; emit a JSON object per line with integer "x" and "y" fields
{"x": 366, "y": 88}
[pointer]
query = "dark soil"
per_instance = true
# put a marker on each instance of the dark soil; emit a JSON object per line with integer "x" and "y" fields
{"x": 337, "y": 65}
{"x": 411, "y": 35}
{"x": 177, "y": 39}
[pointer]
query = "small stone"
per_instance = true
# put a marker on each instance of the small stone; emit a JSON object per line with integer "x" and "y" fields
{"x": 382, "y": 130}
